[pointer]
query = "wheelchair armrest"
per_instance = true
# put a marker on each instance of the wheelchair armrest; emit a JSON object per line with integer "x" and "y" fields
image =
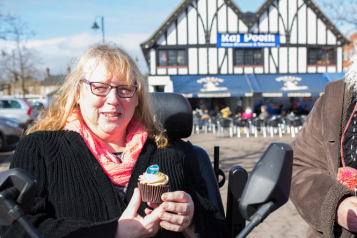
{"x": 208, "y": 175}
{"x": 237, "y": 180}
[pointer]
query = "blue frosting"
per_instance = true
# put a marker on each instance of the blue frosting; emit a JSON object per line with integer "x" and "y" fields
{"x": 153, "y": 169}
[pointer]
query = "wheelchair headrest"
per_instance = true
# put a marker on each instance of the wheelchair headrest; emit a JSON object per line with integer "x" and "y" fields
{"x": 174, "y": 113}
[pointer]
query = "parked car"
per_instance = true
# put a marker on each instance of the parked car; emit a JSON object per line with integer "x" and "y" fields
{"x": 37, "y": 107}
{"x": 36, "y": 98}
{"x": 10, "y": 131}
{"x": 17, "y": 108}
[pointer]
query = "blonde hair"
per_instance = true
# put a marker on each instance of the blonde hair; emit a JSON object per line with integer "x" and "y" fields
{"x": 118, "y": 63}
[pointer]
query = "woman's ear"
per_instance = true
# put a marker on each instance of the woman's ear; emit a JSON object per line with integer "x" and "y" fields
{"x": 78, "y": 96}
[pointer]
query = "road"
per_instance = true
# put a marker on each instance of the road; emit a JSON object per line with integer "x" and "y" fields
{"x": 245, "y": 152}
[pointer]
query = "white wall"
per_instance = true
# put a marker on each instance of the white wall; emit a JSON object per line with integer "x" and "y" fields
{"x": 171, "y": 35}
{"x": 302, "y": 60}
{"x": 222, "y": 20}
{"x": 274, "y": 55}
{"x": 283, "y": 61}
{"x": 161, "y": 41}
{"x": 202, "y": 27}
{"x": 293, "y": 60}
{"x": 302, "y": 24}
{"x": 192, "y": 63}
{"x": 202, "y": 53}
{"x": 182, "y": 29}
{"x": 213, "y": 69}
{"x": 311, "y": 27}
{"x": 221, "y": 54}
{"x": 232, "y": 21}
{"x": 192, "y": 26}
{"x": 160, "y": 81}
{"x": 321, "y": 35}
{"x": 152, "y": 61}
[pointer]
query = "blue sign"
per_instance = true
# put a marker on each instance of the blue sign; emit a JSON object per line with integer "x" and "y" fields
{"x": 153, "y": 169}
{"x": 248, "y": 40}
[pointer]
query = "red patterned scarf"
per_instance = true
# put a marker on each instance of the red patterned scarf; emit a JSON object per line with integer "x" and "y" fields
{"x": 347, "y": 175}
{"x": 119, "y": 173}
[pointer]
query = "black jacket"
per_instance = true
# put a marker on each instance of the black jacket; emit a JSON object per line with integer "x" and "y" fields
{"x": 75, "y": 198}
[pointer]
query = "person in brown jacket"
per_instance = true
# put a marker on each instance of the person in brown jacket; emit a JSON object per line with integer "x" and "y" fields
{"x": 329, "y": 207}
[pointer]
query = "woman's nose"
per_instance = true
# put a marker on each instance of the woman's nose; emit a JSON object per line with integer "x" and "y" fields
{"x": 112, "y": 97}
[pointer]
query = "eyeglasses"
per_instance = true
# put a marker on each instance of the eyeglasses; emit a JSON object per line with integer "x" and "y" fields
{"x": 103, "y": 89}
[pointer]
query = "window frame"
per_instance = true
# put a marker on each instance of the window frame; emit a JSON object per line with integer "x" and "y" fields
{"x": 323, "y": 63}
{"x": 171, "y": 66}
{"x": 248, "y": 65}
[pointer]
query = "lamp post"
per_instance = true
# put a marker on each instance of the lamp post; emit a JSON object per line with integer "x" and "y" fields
{"x": 95, "y": 25}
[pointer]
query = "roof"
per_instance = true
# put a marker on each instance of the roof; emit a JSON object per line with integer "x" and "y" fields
{"x": 53, "y": 80}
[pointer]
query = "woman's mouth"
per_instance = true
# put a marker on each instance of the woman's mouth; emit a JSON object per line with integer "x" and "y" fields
{"x": 111, "y": 114}
{"x": 112, "y": 117}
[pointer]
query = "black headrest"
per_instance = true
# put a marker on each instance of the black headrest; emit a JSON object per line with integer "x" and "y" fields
{"x": 175, "y": 114}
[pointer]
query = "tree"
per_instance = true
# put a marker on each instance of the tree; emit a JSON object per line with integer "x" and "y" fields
{"x": 342, "y": 12}
{"x": 5, "y": 28}
{"x": 18, "y": 62}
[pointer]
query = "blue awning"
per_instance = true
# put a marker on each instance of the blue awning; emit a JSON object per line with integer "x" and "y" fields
{"x": 212, "y": 86}
{"x": 290, "y": 85}
{"x": 334, "y": 76}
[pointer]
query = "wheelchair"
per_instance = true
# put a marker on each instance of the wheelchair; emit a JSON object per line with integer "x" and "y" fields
{"x": 252, "y": 199}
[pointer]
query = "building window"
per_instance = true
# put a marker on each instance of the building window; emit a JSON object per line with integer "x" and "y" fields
{"x": 248, "y": 57}
{"x": 351, "y": 53}
{"x": 172, "y": 58}
{"x": 318, "y": 56}
{"x": 159, "y": 88}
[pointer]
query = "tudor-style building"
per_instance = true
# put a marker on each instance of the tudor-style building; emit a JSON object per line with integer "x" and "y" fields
{"x": 211, "y": 49}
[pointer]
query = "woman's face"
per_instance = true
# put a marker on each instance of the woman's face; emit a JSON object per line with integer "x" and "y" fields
{"x": 106, "y": 116}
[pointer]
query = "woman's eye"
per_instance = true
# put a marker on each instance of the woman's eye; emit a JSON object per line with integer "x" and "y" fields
{"x": 100, "y": 88}
{"x": 124, "y": 89}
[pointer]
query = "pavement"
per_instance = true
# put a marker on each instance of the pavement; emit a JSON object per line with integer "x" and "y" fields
{"x": 5, "y": 159}
{"x": 245, "y": 152}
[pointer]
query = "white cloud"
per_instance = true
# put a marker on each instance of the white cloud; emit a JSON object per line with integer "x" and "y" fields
{"x": 58, "y": 53}
{"x": 40, "y": 43}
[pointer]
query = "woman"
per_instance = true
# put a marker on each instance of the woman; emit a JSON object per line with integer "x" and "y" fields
{"x": 248, "y": 113}
{"x": 325, "y": 144}
{"x": 87, "y": 153}
{"x": 226, "y": 112}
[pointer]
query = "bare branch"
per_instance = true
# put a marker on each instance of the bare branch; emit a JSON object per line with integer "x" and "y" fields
{"x": 19, "y": 62}
{"x": 342, "y": 13}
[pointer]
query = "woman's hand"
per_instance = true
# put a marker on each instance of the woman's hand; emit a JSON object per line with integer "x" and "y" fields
{"x": 347, "y": 214}
{"x": 131, "y": 224}
{"x": 178, "y": 211}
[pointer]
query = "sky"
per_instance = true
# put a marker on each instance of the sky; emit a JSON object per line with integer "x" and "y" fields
{"x": 63, "y": 27}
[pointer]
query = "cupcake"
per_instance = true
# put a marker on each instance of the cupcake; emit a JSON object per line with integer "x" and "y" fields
{"x": 153, "y": 184}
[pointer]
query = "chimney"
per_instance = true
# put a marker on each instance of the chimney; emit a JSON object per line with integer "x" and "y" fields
{"x": 47, "y": 72}
{"x": 68, "y": 69}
